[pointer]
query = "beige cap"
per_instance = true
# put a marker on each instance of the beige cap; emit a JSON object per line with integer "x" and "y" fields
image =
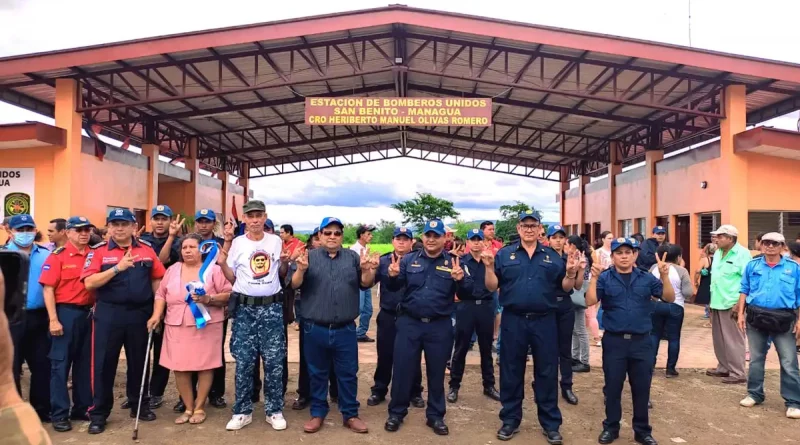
{"x": 726, "y": 229}
{"x": 773, "y": 236}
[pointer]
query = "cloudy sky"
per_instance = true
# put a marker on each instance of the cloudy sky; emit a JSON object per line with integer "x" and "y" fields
{"x": 363, "y": 193}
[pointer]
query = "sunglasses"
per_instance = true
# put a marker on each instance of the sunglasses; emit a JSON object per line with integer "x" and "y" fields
{"x": 332, "y": 232}
{"x": 770, "y": 243}
{"x": 83, "y": 229}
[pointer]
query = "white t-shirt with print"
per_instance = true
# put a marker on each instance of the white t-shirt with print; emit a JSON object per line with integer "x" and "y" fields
{"x": 256, "y": 264}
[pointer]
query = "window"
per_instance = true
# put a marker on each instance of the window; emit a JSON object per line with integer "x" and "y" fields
{"x": 625, "y": 228}
{"x": 708, "y": 223}
{"x": 641, "y": 226}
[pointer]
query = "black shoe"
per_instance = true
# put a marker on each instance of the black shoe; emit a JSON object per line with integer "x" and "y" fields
{"x": 375, "y": 400}
{"x": 126, "y": 404}
{"x": 62, "y": 426}
{"x": 569, "y": 396}
{"x": 645, "y": 440}
{"x": 553, "y": 437}
{"x": 392, "y": 424}
{"x": 217, "y": 402}
{"x": 506, "y": 432}
{"x": 77, "y": 415}
{"x": 438, "y": 427}
{"x": 418, "y": 402}
{"x": 97, "y": 427}
{"x": 156, "y": 402}
{"x": 608, "y": 436}
{"x": 491, "y": 393}
{"x": 335, "y": 400}
{"x": 145, "y": 415}
{"x": 44, "y": 418}
{"x": 671, "y": 373}
{"x": 581, "y": 367}
{"x": 452, "y": 396}
{"x": 365, "y": 339}
{"x": 300, "y": 404}
{"x": 179, "y": 407}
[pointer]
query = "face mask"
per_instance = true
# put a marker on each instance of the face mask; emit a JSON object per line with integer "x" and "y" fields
{"x": 24, "y": 239}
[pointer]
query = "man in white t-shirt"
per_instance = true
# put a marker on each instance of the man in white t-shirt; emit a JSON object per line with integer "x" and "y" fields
{"x": 256, "y": 268}
{"x": 363, "y": 238}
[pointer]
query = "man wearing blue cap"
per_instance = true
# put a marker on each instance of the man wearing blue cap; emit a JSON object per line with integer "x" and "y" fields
{"x": 430, "y": 278}
{"x": 475, "y": 314}
{"x": 31, "y": 335}
{"x": 69, "y": 305}
{"x": 389, "y": 302}
{"x": 626, "y": 293}
{"x": 529, "y": 275}
{"x": 124, "y": 272}
{"x": 647, "y": 255}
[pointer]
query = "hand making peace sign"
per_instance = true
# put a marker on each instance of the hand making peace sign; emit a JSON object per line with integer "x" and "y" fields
{"x": 368, "y": 260}
{"x": 128, "y": 260}
{"x": 663, "y": 265}
{"x": 175, "y": 225}
{"x": 457, "y": 272}
{"x": 573, "y": 262}
{"x": 394, "y": 266}
{"x": 302, "y": 261}
{"x": 487, "y": 256}
{"x": 229, "y": 229}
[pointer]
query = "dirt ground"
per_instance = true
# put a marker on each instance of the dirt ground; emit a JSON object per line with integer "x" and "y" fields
{"x": 690, "y": 409}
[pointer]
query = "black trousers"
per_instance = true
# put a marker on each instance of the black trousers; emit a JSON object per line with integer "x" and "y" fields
{"x": 473, "y": 316}
{"x": 565, "y": 323}
{"x": 631, "y": 356}
{"x": 304, "y": 382}
{"x": 387, "y": 332}
{"x": 31, "y": 339}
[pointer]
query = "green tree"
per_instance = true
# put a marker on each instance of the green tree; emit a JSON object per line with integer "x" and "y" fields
{"x": 349, "y": 237}
{"x": 507, "y": 225}
{"x": 424, "y": 207}
{"x": 462, "y": 227}
{"x": 384, "y": 233}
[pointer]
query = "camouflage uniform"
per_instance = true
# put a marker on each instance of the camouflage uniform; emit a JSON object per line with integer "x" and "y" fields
{"x": 258, "y": 331}
{"x": 20, "y": 425}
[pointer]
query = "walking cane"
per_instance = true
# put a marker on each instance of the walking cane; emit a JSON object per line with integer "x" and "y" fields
{"x": 141, "y": 388}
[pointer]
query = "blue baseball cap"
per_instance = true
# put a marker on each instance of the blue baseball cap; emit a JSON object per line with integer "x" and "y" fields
{"x": 205, "y": 214}
{"x": 556, "y": 228}
{"x": 403, "y": 231}
{"x": 528, "y": 214}
{"x": 269, "y": 224}
{"x": 475, "y": 233}
{"x": 659, "y": 229}
{"x": 619, "y": 242}
{"x": 328, "y": 220}
{"x": 316, "y": 231}
{"x": 76, "y": 222}
{"x": 436, "y": 226}
{"x": 161, "y": 210}
{"x": 20, "y": 221}
{"x": 120, "y": 214}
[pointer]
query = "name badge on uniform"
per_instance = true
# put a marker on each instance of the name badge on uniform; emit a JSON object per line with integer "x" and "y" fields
{"x": 444, "y": 269}
{"x": 513, "y": 256}
{"x": 416, "y": 265}
{"x": 547, "y": 259}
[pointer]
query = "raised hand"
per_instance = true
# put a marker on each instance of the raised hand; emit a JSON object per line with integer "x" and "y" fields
{"x": 285, "y": 257}
{"x": 302, "y": 261}
{"x": 487, "y": 257}
{"x": 457, "y": 272}
{"x": 394, "y": 266}
{"x": 229, "y": 229}
{"x": 297, "y": 252}
{"x": 597, "y": 269}
{"x": 367, "y": 259}
{"x": 128, "y": 260}
{"x": 140, "y": 231}
{"x": 175, "y": 225}
{"x": 573, "y": 262}
{"x": 663, "y": 265}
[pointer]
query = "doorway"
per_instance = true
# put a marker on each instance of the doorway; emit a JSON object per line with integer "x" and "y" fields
{"x": 682, "y": 238}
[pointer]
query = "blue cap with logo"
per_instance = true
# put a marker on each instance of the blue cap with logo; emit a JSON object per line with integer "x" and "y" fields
{"x": 120, "y": 214}
{"x": 403, "y": 231}
{"x": 161, "y": 210}
{"x": 475, "y": 233}
{"x": 436, "y": 226}
{"x": 556, "y": 228}
{"x": 328, "y": 220}
{"x": 528, "y": 214}
{"x": 207, "y": 214}
{"x": 20, "y": 221}
{"x": 619, "y": 242}
{"x": 76, "y": 222}
{"x": 659, "y": 230}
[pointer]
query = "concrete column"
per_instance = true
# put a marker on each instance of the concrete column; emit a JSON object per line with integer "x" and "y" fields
{"x": 582, "y": 181}
{"x": 226, "y": 204}
{"x": 151, "y": 151}
{"x": 563, "y": 194}
{"x": 67, "y": 160}
{"x": 190, "y": 189}
{"x": 651, "y": 157}
{"x": 614, "y": 168}
{"x": 244, "y": 180}
{"x": 734, "y": 206}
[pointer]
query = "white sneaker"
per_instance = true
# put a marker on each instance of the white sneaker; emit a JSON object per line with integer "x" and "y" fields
{"x": 239, "y": 421}
{"x": 748, "y": 402}
{"x": 277, "y": 421}
{"x": 793, "y": 413}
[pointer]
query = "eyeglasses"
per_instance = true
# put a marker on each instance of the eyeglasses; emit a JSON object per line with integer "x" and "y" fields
{"x": 529, "y": 227}
{"x": 83, "y": 229}
{"x": 332, "y": 233}
{"x": 770, "y": 243}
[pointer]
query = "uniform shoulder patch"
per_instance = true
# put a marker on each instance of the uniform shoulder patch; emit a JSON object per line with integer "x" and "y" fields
{"x": 58, "y": 250}
{"x": 100, "y": 244}
{"x": 145, "y": 242}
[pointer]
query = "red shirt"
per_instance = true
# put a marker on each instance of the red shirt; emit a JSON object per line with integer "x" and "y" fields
{"x": 62, "y": 270}
{"x": 132, "y": 286}
{"x": 291, "y": 245}
{"x": 496, "y": 246}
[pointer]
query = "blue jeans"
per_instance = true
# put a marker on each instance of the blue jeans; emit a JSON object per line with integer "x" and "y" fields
{"x": 787, "y": 353}
{"x": 365, "y": 307}
{"x": 667, "y": 319}
{"x": 320, "y": 347}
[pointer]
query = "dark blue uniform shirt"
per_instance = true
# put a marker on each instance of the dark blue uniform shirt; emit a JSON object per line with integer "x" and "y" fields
{"x": 158, "y": 243}
{"x": 563, "y": 298}
{"x": 477, "y": 271}
{"x": 429, "y": 289}
{"x": 390, "y": 299}
{"x": 627, "y": 307}
{"x": 529, "y": 283}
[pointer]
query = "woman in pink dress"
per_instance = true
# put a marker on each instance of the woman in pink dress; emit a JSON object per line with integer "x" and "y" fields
{"x": 187, "y": 349}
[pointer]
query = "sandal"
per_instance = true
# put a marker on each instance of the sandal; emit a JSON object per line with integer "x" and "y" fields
{"x": 184, "y": 418}
{"x": 198, "y": 417}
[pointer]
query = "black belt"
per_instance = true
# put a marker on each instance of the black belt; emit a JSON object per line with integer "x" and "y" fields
{"x": 80, "y": 307}
{"x": 247, "y": 300}
{"x": 626, "y": 336}
{"x": 332, "y": 326}
{"x": 529, "y": 315}
{"x": 426, "y": 319}
{"x": 478, "y": 302}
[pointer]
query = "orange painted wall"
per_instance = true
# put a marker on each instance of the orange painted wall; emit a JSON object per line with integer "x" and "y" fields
{"x": 596, "y": 207}
{"x": 42, "y": 160}
{"x": 209, "y": 198}
{"x": 171, "y": 194}
{"x": 772, "y": 183}
{"x": 571, "y": 207}
{"x": 678, "y": 192}
{"x": 240, "y": 200}
{"x": 110, "y": 184}
{"x": 630, "y": 197}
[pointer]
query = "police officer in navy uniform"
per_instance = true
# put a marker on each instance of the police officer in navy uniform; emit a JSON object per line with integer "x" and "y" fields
{"x": 626, "y": 294}
{"x": 529, "y": 276}
{"x": 431, "y": 277}
{"x": 474, "y": 314}
{"x": 124, "y": 272}
{"x": 402, "y": 240}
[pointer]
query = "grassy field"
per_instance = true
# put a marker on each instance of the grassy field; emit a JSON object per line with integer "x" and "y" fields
{"x": 382, "y": 248}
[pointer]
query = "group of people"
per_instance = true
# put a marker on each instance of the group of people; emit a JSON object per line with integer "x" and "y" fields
{"x": 182, "y": 289}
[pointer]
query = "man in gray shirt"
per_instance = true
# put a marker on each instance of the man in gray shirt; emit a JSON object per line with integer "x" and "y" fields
{"x": 330, "y": 279}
